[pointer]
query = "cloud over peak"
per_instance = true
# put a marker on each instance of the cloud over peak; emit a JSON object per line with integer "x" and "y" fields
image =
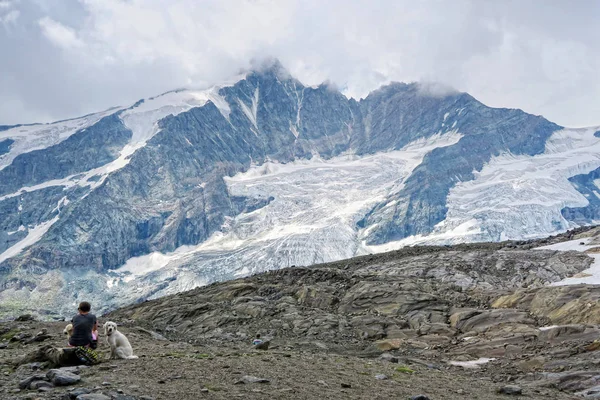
{"x": 69, "y": 58}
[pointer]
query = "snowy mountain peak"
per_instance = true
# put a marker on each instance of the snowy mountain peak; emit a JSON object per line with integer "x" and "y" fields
{"x": 263, "y": 172}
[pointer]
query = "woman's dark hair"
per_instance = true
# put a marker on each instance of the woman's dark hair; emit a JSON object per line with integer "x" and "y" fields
{"x": 85, "y": 306}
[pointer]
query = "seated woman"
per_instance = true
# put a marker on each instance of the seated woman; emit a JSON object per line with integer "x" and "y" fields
{"x": 85, "y": 327}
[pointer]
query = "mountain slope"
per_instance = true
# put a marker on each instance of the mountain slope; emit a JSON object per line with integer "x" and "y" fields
{"x": 262, "y": 173}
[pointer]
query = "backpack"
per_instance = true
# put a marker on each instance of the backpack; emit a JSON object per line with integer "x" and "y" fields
{"x": 87, "y": 356}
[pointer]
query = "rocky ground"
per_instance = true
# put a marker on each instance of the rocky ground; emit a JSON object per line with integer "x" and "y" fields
{"x": 468, "y": 321}
{"x": 178, "y": 370}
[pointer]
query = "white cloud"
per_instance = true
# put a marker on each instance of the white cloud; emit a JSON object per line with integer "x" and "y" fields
{"x": 435, "y": 89}
{"x": 541, "y": 55}
{"x": 8, "y": 15}
{"x": 59, "y": 34}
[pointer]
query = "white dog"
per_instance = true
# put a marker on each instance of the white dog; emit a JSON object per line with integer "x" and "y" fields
{"x": 68, "y": 330}
{"x": 119, "y": 345}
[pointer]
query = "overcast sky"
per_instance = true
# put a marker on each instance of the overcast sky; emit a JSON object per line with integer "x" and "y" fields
{"x": 66, "y": 58}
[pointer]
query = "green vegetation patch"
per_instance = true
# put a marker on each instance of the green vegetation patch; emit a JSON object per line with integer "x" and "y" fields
{"x": 8, "y": 335}
{"x": 404, "y": 369}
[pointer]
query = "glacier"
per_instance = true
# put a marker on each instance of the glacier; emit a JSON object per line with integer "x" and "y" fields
{"x": 517, "y": 197}
{"x": 311, "y": 219}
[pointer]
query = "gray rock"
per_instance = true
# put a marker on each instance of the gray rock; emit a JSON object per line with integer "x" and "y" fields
{"x": 487, "y": 319}
{"x": 74, "y": 369}
{"x": 510, "y": 390}
{"x": 590, "y": 393}
{"x": 389, "y": 357}
{"x": 154, "y": 335}
{"x": 60, "y": 377}
{"x": 73, "y": 394}
{"x": 24, "y": 383}
{"x": 381, "y": 377}
{"x": 37, "y": 385}
{"x": 93, "y": 396}
{"x": 251, "y": 379}
{"x": 20, "y": 337}
{"x": 32, "y": 366}
{"x": 262, "y": 346}
{"x": 120, "y": 396}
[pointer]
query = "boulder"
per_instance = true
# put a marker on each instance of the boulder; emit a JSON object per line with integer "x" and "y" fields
{"x": 24, "y": 383}
{"x": 61, "y": 377}
{"x": 36, "y": 385}
{"x": 389, "y": 344}
{"x": 262, "y": 346}
{"x": 389, "y": 357}
{"x": 73, "y": 394}
{"x": 510, "y": 390}
{"x": 486, "y": 319}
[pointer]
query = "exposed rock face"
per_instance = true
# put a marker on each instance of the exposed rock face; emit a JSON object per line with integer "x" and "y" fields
{"x": 417, "y": 292}
{"x": 574, "y": 304}
{"x": 585, "y": 184}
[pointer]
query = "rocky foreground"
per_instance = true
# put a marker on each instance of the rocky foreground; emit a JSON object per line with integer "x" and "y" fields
{"x": 178, "y": 370}
{"x": 473, "y": 321}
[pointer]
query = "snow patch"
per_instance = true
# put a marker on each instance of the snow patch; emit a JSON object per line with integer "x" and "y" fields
{"x": 143, "y": 118}
{"x": 63, "y": 202}
{"x": 32, "y": 237}
{"x": 589, "y": 276}
{"x": 21, "y": 228}
{"x": 547, "y": 328}
{"x": 251, "y": 113}
{"x": 28, "y": 138}
{"x": 137, "y": 266}
{"x": 471, "y": 364}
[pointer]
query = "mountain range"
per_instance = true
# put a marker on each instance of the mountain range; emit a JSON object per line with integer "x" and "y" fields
{"x": 260, "y": 173}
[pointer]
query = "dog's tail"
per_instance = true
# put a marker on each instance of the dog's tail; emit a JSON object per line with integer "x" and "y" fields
{"x": 132, "y": 357}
